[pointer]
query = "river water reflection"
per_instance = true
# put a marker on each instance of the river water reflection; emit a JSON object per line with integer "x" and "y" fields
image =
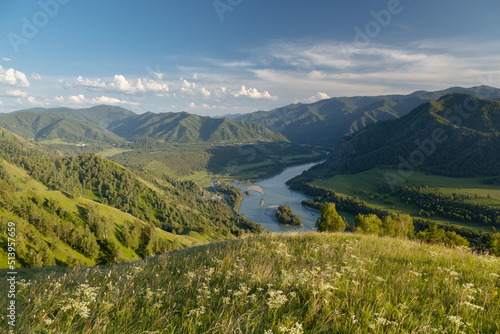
{"x": 274, "y": 192}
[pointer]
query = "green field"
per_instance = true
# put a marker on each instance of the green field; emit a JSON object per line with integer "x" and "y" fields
{"x": 365, "y": 186}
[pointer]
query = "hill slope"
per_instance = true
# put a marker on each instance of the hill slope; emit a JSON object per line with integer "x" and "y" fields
{"x": 326, "y": 122}
{"x": 458, "y": 135}
{"x": 187, "y": 128}
{"x": 111, "y": 125}
{"x": 43, "y": 126}
{"x": 101, "y": 115}
{"x": 307, "y": 283}
{"x": 85, "y": 210}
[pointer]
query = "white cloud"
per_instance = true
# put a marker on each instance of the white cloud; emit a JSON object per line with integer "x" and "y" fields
{"x": 12, "y": 77}
{"x": 120, "y": 84}
{"x": 205, "y": 92}
{"x": 36, "y": 76}
{"x": 82, "y": 100}
{"x": 15, "y": 93}
{"x": 34, "y": 101}
{"x": 195, "y": 76}
{"x": 158, "y": 75}
{"x": 254, "y": 93}
{"x": 317, "y": 97}
{"x": 6, "y": 59}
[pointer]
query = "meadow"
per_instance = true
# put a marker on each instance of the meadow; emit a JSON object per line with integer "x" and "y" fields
{"x": 272, "y": 283}
{"x": 366, "y": 186}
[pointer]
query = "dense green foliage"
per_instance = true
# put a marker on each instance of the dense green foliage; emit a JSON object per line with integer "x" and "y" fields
{"x": 458, "y": 135}
{"x": 477, "y": 239}
{"x": 325, "y": 122}
{"x": 285, "y": 216}
{"x": 298, "y": 283}
{"x": 457, "y": 207}
{"x": 435, "y": 235}
{"x": 330, "y": 220}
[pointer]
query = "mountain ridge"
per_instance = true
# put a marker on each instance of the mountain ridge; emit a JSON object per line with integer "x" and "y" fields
{"x": 325, "y": 122}
{"x": 449, "y": 136}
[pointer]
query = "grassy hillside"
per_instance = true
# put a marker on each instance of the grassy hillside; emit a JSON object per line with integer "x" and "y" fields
{"x": 189, "y": 128}
{"x": 458, "y": 135}
{"x": 325, "y": 122}
{"x": 307, "y": 283}
{"x": 54, "y": 218}
{"x": 85, "y": 210}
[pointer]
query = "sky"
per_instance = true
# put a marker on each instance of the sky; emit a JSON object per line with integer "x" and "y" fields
{"x": 217, "y": 57}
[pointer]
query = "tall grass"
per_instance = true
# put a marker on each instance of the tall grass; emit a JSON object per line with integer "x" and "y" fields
{"x": 297, "y": 283}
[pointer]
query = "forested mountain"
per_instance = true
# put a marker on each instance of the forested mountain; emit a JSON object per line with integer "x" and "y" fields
{"x": 186, "y": 128}
{"x": 85, "y": 210}
{"x": 101, "y": 115}
{"x": 458, "y": 135}
{"x": 42, "y": 126}
{"x": 113, "y": 125}
{"x": 327, "y": 121}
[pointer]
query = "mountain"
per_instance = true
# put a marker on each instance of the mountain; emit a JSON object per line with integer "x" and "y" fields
{"x": 187, "y": 128}
{"x": 112, "y": 125}
{"x": 458, "y": 135}
{"x": 101, "y": 115}
{"x": 327, "y": 121}
{"x": 44, "y": 125}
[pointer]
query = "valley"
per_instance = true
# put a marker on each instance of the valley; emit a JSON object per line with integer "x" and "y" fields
{"x": 184, "y": 197}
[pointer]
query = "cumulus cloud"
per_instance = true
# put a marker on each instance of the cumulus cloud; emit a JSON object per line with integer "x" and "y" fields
{"x": 205, "y": 92}
{"x": 317, "y": 97}
{"x": 36, "y": 76}
{"x": 120, "y": 84}
{"x": 253, "y": 93}
{"x": 12, "y": 77}
{"x": 15, "y": 93}
{"x": 82, "y": 100}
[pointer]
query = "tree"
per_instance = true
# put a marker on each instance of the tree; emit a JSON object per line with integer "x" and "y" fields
{"x": 398, "y": 225}
{"x": 285, "y": 215}
{"x": 330, "y": 220}
{"x": 368, "y": 224}
{"x": 494, "y": 244}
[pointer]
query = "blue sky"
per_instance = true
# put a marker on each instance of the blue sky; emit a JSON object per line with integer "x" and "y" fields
{"x": 236, "y": 56}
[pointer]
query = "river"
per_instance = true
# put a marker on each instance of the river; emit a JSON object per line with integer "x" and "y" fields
{"x": 274, "y": 192}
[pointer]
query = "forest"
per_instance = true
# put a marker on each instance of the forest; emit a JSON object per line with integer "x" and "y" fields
{"x": 479, "y": 240}
{"x": 173, "y": 206}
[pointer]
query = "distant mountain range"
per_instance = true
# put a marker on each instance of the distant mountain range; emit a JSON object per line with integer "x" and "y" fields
{"x": 458, "y": 135}
{"x": 327, "y": 121}
{"x": 114, "y": 125}
{"x": 187, "y": 128}
{"x": 322, "y": 123}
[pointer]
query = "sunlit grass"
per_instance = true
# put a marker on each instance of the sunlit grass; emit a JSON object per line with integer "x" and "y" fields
{"x": 297, "y": 283}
